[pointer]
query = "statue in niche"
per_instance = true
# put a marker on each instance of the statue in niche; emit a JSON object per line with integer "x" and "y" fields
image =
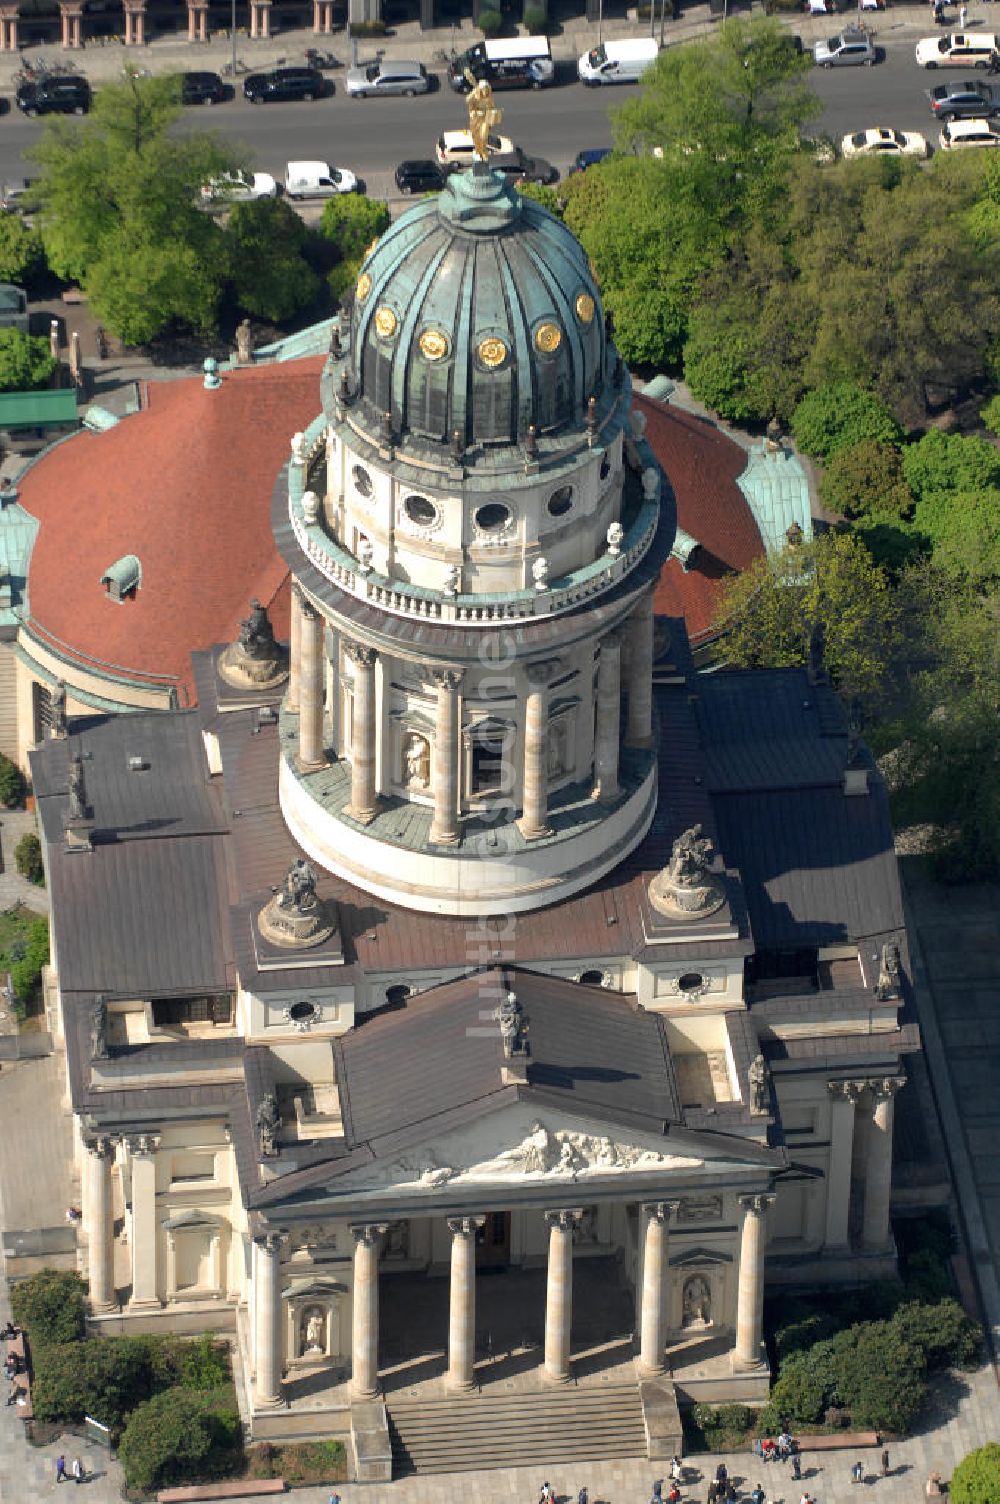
{"x": 416, "y": 761}
{"x": 268, "y": 1122}
{"x": 78, "y": 808}
{"x": 757, "y": 1076}
{"x": 99, "y": 1030}
{"x": 57, "y": 709}
{"x": 313, "y": 1332}
{"x": 696, "y": 1302}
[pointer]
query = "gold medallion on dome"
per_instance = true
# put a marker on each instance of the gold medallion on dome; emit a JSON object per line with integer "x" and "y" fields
{"x": 369, "y": 248}
{"x": 585, "y": 308}
{"x": 492, "y": 352}
{"x": 385, "y": 322}
{"x": 364, "y": 287}
{"x": 433, "y": 344}
{"x": 548, "y": 338}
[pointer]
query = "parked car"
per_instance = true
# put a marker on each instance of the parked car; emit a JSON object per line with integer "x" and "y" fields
{"x": 589, "y": 158}
{"x": 880, "y": 141}
{"x": 968, "y": 99}
{"x": 318, "y": 180}
{"x": 422, "y": 176}
{"x": 61, "y": 94}
{"x": 962, "y": 133}
{"x": 847, "y": 47}
{"x": 237, "y": 188}
{"x": 202, "y": 88}
{"x": 387, "y": 76}
{"x": 454, "y": 148}
{"x": 522, "y": 168}
{"x": 959, "y": 49}
{"x": 284, "y": 84}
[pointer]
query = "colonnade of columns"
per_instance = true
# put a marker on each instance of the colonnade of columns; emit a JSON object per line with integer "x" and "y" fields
{"x": 877, "y": 1096}
{"x": 322, "y": 17}
{"x": 100, "y": 1226}
{"x": 145, "y": 1283}
{"x": 71, "y": 12}
{"x": 197, "y": 21}
{"x": 71, "y": 15}
{"x": 305, "y": 695}
{"x": 10, "y": 39}
{"x": 135, "y": 23}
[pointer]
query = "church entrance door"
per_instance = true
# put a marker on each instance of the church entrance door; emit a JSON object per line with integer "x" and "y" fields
{"x": 493, "y": 1242}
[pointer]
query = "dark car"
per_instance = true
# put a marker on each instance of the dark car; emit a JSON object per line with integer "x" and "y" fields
{"x": 967, "y": 99}
{"x": 589, "y": 158}
{"x": 518, "y": 165}
{"x": 202, "y": 88}
{"x": 419, "y": 177}
{"x": 284, "y": 83}
{"x": 65, "y": 94}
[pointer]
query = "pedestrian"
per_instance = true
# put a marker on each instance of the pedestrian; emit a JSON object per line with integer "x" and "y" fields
{"x": 333, "y": 1499}
{"x": 60, "y": 1468}
{"x": 721, "y": 1473}
{"x": 757, "y": 1497}
{"x": 101, "y": 341}
{"x": 885, "y": 1462}
{"x": 77, "y": 1470}
{"x": 713, "y": 1493}
{"x": 657, "y": 1496}
{"x": 582, "y": 1497}
{"x": 796, "y": 1466}
{"x": 676, "y": 1471}
{"x": 963, "y": 16}
{"x": 546, "y": 1494}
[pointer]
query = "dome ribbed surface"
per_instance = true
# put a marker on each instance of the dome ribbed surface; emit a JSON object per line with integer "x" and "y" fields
{"x": 477, "y": 312}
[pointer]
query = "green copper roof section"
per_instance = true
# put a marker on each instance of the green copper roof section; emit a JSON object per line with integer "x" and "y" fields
{"x": 476, "y": 313}
{"x": 777, "y": 492}
{"x": 37, "y": 409}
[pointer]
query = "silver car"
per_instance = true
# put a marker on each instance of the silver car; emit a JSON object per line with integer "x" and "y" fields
{"x": 387, "y": 76}
{"x": 850, "y": 46}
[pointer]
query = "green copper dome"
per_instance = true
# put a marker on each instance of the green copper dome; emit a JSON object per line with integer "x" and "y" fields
{"x": 476, "y": 314}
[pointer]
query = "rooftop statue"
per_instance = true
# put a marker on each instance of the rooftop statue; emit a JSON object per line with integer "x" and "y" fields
{"x": 483, "y": 114}
{"x": 299, "y": 888}
{"x": 77, "y": 790}
{"x": 689, "y": 858}
{"x": 686, "y": 887}
{"x": 256, "y": 632}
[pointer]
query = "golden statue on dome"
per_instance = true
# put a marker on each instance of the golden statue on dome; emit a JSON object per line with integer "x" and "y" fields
{"x": 483, "y": 114}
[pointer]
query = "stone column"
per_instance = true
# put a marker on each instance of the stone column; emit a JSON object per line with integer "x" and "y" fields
{"x": 9, "y": 18}
{"x": 364, "y": 800}
{"x": 364, "y": 1336}
{"x": 655, "y": 1286}
{"x": 607, "y": 722}
{"x": 445, "y": 829}
{"x": 310, "y": 689}
{"x": 145, "y": 1230}
{"x": 875, "y": 1234}
{"x": 267, "y": 1319}
{"x": 750, "y": 1296}
{"x": 559, "y": 1295}
{"x": 843, "y": 1097}
{"x": 294, "y": 650}
{"x": 462, "y": 1310}
{"x": 639, "y": 732}
{"x": 535, "y": 805}
{"x": 100, "y": 1224}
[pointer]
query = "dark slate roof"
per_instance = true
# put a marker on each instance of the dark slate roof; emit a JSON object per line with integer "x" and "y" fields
{"x": 770, "y": 729}
{"x": 145, "y": 912}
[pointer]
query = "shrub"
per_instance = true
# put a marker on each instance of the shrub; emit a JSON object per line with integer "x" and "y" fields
{"x": 951, "y": 462}
{"x": 49, "y": 1305}
{"x": 964, "y": 531}
{"x": 26, "y": 973}
{"x": 801, "y": 1393}
{"x": 866, "y": 478}
{"x": 11, "y": 779}
{"x": 536, "y": 20}
{"x": 990, "y": 414}
{"x": 351, "y": 222}
{"x": 266, "y": 245}
{"x": 942, "y": 1332}
{"x": 976, "y": 1480}
{"x": 108, "y": 1376}
{"x": 26, "y": 362}
{"x": 879, "y": 1376}
{"x": 367, "y": 29}
{"x": 490, "y": 23}
{"x": 799, "y": 1334}
{"x": 205, "y": 1363}
{"x": 179, "y": 1435}
{"x": 834, "y": 417}
{"x": 22, "y": 255}
{"x": 28, "y": 858}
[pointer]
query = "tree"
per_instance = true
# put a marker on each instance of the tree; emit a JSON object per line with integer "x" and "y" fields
{"x": 950, "y": 462}
{"x": 50, "y": 1306}
{"x": 963, "y": 528}
{"x": 351, "y": 223}
{"x": 831, "y": 418}
{"x": 976, "y": 1480}
{"x": 179, "y": 1435}
{"x": 120, "y": 210}
{"x": 22, "y": 255}
{"x": 768, "y": 612}
{"x": 28, "y": 858}
{"x": 26, "y": 973}
{"x": 265, "y": 240}
{"x": 26, "y": 362}
{"x": 866, "y": 479}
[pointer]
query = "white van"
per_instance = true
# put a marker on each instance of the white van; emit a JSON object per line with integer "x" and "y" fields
{"x": 618, "y": 62}
{"x": 317, "y": 180}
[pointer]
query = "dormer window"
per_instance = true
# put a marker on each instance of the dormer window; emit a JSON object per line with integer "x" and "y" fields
{"x": 122, "y": 579}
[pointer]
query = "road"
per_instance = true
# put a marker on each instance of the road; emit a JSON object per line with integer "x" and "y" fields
{"x": 371, "y": 136}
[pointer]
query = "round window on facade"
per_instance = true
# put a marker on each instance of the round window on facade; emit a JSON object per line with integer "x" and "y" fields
{"x": 362, "y": 481}
{"x": 420, "y": 511}
{"x": 493, "y": 517}
{"x": 395, "y": 996}
{"x": 691, "y": 981}
{"x": 593, "y": 978}
{"x": 605, "y": 467}
{"x": 300, "y": 1013}
{"x": 560, "y": 501}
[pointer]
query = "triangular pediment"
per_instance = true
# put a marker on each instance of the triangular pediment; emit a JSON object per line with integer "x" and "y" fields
{"x": 525, "y": 1145}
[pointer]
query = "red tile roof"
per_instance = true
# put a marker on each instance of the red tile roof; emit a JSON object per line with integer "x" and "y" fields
{"x": 185, "y": 484}
{"x": 702, "y": 464}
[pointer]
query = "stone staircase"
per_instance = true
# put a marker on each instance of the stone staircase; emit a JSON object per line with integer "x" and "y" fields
{"x": 490, "y": 1430}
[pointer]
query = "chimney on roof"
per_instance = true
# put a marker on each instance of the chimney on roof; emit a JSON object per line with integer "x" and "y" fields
{"x": 78, "y": 822}
{"x": 212, "y": 379}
